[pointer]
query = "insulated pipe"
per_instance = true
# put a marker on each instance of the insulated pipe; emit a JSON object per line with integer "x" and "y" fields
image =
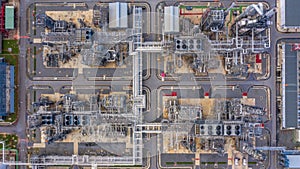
{"x": 3, "y": 147}
{"x": 229, "y": 8}
{"x": 250, "y": 11}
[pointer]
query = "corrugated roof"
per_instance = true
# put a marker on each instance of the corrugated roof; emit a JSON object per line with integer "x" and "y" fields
{"x": 9, "y": 17}
{"x": 171, "y": 19}
{"x": 292, "y": 17}
{"x": 3, "y": 89}
{"x": 294, "y": 161}
{"x": 12, "y": 90}
{"x": 290, "y": 79}
{"x": 118, "y": 15}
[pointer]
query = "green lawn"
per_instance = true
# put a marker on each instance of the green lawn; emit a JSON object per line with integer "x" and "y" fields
{"x": 213, "y": 162}
{"x": 11, "y": 59}
{"x": 13, "y": 44}
{"x": 34, "y": 64}
{"x": 34, "y": 50}
{"x": 185, "y": 162}
{"x": 11, "y": 141}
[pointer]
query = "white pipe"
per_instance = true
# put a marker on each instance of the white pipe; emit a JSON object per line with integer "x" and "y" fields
{"x": 3, "y": 147}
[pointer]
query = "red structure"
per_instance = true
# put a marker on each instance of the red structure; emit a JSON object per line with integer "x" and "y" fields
{"x": 296, "y": 46}
{"x": 257, "y": 60}
{"x": 172, "y": 94}
{"x": 2, "y": 21}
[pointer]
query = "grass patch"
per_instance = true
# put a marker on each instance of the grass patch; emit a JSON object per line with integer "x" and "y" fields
{"x": 34, "y": 64}
{"x": 13, "y": 44}
{"x": 170, "y": 163}
{"x": 34, "y": 50}
{"x": 251, "y": 162}
{"x": 13, "y": 60}
{"x": 10, "y": 140}
{"x": 34, "y": 96}
{"x": 34, "y": 31}
{"x": 185, "y": 162}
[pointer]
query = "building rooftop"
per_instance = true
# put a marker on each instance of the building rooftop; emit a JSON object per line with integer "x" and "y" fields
{"x": 7, "y": 89}
{"x": 171, "y": 19}
{"x": 294, "y": 161}
{"x": 291, "y": 17}
{"x": 290, "y": 88}
{"x": 118, "y": 17}
{"x": 3, "y": 91}
{"x": 9, "y": 17}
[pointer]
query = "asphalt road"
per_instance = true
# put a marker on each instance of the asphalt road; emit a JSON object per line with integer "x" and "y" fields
{"x": 152, "y": 83}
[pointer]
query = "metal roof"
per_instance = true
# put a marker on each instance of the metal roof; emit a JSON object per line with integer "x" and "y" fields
{"x": 171, "y": 19}
{"x": 290, "y": 88}
{"x": 294, "y": 161}
{"x": 12, "y": 90}
{"x": 9, "y": 17}
{"x": 118, "y": 17}
{"x": 292, "y": 17}
{"x": 3, "y": 111}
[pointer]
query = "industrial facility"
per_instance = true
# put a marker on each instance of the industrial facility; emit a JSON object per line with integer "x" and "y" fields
{"x": 217, "y": 45}
{"x": 211, "y": 121}
{"x": 211, "y": 44}
{"x": 188, "y": 86}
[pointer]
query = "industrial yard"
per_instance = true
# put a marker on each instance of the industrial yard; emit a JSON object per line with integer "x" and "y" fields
{"x": 158, "y": 84}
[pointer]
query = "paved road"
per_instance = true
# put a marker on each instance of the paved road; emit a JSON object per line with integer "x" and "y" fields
{"x": 152, "y": 83}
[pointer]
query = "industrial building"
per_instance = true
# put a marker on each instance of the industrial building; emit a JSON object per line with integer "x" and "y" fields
{"x": 7, "y": 88}
{"x": 9, "y": 17}
{"x": 118, "y": 17}
{"x": 293, "y": 161}
{"x": 288, "y": 16}
{"x": 290, "y": 87}
{"x": 289, "y": 159}
{"x": 171, "y": 19}
{"x": 213, "y": 20}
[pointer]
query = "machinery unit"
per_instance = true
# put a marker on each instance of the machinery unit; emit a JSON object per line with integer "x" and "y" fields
{"x": 232, "y": 130}
{"x": 211, "y": 129}
{"x": 212, "y": 20}
{"x": 188, "y": 44}
{"x": 254, "y": 20}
